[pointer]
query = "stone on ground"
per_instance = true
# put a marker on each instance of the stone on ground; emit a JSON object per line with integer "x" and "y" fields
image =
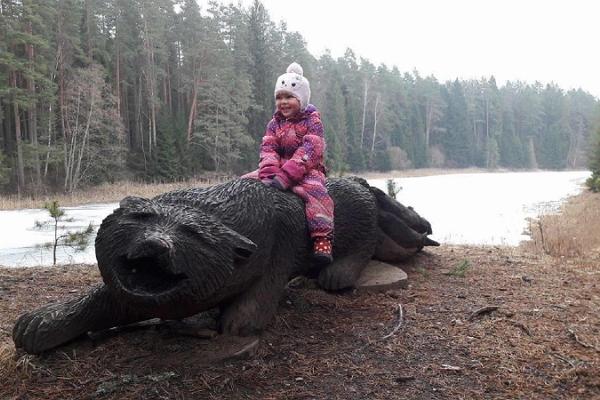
{"x": 380, "y": 276}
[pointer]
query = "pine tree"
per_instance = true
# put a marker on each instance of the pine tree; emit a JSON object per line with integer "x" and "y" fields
{"x": 77, "y": 240}
{"x": 553, "y": 145}
{"x": 166, "y": 165}
{"x": 4, "y": 170}
{"x": 457, "y": 138}
{"x": 208, "y": 79}
{"x": 431, "y": 105}
{"x": 593, "y": 182}
{"x": 262, "y": 51}
{"x": 332, "y": 108}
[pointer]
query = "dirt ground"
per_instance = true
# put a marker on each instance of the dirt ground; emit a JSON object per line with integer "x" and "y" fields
{"x": 474, "y": 323}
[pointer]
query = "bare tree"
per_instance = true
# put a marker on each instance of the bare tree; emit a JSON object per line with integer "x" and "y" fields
{"x": 91, "y": 116}
{"x": 364, "y": 116}
{"x": 375, "y": 118}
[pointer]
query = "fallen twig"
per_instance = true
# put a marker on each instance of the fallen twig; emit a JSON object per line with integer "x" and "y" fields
{"x": 482, "y": 311}
{"x": 398, "y": 325}
{"x": 573, "y": 334}
{"x": 179, "y": 327}
{"x": 106, "y": 333}
{"x": 565, "y": 359}
{"x": 518, "y": 324}
{"x": 449, "y": 367}
{"x": 521, "y": 325}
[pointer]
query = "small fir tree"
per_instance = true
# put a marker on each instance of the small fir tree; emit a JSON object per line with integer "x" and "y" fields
{"x": 77, "y": 240}
{"x": 393, "y": 188}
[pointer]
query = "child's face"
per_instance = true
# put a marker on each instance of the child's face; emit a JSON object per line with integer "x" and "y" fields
{"x": 287, "y": 104}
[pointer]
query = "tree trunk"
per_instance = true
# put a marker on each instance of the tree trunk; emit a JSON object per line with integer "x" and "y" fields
{"x": 428, "y": 123}
{"x": 216, "y": 157}
{"x": 487, "y": 133}
{"x": 82, "y": 148}
{"x": 139, "y": 125}
{"x": 169, "y": 98}
{"x": 32, "y": 114}
{"x": 60, "y": 62}
{"x": 88, "y": 31}
{"x": 531, "y": 151}
{"x": 49, "y": 146}
{"x": 151, "y": 81}
{"x": 55, "y": 241}
{"x": 375, "y": 125}
{"x": 118, "y": 78}
{"x": 18, "y": 138}
{"x": 192, "y": 114}
{"x": 364, "y": 116}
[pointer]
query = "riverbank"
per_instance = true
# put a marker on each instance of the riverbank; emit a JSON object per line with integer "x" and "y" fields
{"x": 477, "y": 322}
{"x": 106, "y": 193}
{"x": 110, "y": 193}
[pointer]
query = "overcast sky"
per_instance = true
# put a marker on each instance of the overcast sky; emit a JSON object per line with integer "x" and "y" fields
{"x": 525, "y": 40}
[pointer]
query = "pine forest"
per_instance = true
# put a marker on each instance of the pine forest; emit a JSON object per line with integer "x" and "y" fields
{"x": 95, "y": 91}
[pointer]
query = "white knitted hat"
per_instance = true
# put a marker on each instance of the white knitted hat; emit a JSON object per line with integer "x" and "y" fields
{"x": 294, "y": 83}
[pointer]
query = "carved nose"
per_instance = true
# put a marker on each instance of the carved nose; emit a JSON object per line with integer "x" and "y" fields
{"x": 152, "y": 246}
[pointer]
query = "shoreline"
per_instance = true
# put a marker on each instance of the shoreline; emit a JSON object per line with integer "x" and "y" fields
{"x": 111, "y": 193}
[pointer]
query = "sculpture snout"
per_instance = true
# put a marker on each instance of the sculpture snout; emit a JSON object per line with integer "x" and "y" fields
{"x": 152, "y": 246}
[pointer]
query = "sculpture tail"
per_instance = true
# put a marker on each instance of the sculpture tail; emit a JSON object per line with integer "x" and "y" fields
{"x": 403, "y": 232}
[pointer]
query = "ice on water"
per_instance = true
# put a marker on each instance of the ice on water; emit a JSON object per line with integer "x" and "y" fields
{"x": 479, "y": 208}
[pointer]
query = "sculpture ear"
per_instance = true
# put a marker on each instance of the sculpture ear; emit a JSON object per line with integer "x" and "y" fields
{"x": 133, "y": 201}
{"x": 242, "y": 247}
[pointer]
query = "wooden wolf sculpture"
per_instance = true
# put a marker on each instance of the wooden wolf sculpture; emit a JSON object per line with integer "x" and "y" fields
{"x": 233, "y": 246}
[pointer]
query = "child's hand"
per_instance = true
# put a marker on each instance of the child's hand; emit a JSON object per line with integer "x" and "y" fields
{"x": 279, "y": 183}
{"x": 275, "y": 182}
{"x": 268, "y": 172}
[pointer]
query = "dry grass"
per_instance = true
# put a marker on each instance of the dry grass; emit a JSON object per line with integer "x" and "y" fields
{"x": 106, "y": 193}
{"x": 571, "y": 233}
{"x": 13, "y": 365}
{"x": 8, "y": 361}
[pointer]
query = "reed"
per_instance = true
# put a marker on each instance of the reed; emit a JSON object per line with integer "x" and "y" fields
{"x": 14, "y": 367}
{"x": 574, "y": 232}
{"x": 107, "y": 193}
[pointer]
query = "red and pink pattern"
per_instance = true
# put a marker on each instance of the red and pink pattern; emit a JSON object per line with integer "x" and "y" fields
{"x": 291, "y": 153}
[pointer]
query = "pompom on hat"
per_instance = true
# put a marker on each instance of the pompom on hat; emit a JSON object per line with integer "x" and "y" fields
{"x": 294, "y": 83}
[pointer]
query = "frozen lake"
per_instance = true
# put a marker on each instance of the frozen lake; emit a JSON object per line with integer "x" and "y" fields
{"x": 481, "y": 208}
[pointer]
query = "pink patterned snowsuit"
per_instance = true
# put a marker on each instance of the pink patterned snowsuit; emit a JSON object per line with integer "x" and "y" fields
{"x": 292, "y": 151}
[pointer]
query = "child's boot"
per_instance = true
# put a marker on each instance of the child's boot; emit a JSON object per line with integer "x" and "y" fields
{"x": 322, "y": 251}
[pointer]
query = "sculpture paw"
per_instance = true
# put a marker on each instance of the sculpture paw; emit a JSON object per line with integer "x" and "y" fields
{"x": 242, "y": 319}
{"x": 40, "y": 330}
{"x": 339, "y": 275}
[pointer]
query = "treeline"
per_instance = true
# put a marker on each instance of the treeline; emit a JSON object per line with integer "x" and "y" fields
{"x": 593, "y": 182}
{"x": 97, "y": 91}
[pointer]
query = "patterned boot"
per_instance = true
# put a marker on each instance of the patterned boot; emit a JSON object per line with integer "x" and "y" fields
{"x": 322, "y": 251}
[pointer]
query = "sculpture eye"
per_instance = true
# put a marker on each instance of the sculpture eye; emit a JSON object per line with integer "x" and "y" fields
{"x": 283, "y": 82}
{"x": 189, "y": 230}
{"x": 141, "y": 215}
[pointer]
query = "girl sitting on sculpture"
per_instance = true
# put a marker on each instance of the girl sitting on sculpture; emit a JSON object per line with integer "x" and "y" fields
{"x": 291, "y": 157}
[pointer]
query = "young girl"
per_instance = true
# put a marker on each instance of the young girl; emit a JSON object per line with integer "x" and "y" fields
{"x": 291, "y": 157}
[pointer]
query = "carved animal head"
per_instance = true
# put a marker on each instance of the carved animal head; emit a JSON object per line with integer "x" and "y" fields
{"x": 155, "y": 252}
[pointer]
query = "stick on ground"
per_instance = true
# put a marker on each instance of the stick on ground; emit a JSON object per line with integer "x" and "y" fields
{"x": 400, "y": 321}
{"x": 482, "y": 311}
